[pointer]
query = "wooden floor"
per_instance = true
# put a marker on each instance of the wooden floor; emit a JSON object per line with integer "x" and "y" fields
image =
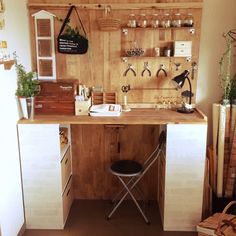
{"x": 88, "y": 218}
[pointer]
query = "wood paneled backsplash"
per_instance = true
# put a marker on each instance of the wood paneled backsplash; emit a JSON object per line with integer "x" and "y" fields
{"x": 103, "y": 65}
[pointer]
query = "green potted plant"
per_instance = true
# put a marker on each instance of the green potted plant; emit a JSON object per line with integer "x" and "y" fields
{"x": 225, "y": 75}
{"x": 27, "y": 88}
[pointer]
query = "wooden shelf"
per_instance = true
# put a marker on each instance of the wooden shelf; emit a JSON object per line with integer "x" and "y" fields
{"x": 7, "y": 64}
{"x": 126, "y": 58}
{"x": 157, "y": 28}
{"x": 119, "y": 6}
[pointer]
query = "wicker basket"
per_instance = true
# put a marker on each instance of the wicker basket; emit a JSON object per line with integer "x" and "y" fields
{"x": 108, "y": 23}
{"x": 220, "y": 224}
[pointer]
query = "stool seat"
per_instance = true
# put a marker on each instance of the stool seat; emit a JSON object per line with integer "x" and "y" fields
{"x": 126, "y": 168}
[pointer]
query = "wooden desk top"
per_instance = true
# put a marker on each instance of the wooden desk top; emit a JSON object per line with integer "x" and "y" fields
{"x": 137, "y": 116}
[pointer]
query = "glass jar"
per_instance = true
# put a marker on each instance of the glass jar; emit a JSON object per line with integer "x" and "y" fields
{"x": 154, "y": 23}
{"x": 189, "y": 21}
{"x": 165, "y": 21}
{"x": 177, "y": 20}
{"x": 132, "y": 21}
{"x": 142, "y": 21}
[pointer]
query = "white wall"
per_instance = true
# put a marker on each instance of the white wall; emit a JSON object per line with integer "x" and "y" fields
{"x": 219, "y": 16}
{"x": 11, "y": 203}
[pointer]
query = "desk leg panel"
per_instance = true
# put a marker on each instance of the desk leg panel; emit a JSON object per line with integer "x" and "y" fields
{"x": 184, "y": 176}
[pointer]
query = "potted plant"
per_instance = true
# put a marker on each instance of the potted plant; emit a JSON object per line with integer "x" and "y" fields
{"x": 27, "y": 88}
{"x": 225, "y": 67}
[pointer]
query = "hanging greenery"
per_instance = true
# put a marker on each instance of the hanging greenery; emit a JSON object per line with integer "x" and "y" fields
{"x": 226, "y": 78}
{"x": 27, "y": 83}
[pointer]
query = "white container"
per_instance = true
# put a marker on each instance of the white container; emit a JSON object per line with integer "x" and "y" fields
{"x": 82, "y": 107}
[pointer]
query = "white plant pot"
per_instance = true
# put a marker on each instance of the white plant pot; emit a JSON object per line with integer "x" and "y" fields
{"x": 26, "y": 107}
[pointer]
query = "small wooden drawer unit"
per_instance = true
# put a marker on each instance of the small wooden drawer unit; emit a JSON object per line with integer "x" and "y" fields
{"x": 56, "y": 97}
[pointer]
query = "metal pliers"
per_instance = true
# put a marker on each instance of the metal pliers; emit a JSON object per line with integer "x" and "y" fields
{"x": 130, "y": 68}
{"x": 146, "y": 68}
{"x": 161, "y": 69}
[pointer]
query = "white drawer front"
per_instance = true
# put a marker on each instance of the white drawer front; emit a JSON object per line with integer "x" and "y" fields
{"x": 66, "y": 168}
{"x": 67, "y": 199}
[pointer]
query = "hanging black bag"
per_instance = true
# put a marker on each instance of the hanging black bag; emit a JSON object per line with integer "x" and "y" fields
{"x": 72, "y": 44}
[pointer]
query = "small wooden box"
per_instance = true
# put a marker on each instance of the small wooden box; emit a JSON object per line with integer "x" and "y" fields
{"x": 104, "y": 97}
{"x": 82, "y": 107}
{"x": 56, "y": 97}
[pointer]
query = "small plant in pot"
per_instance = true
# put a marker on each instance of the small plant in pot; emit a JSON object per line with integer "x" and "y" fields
{"x": 27, "y": 88}
{"x": 226, "y": 79}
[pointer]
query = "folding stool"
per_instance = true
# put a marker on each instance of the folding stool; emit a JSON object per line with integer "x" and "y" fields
{"x": 134, "y": 171}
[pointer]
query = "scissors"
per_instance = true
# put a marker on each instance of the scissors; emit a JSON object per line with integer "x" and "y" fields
{"x": 125, "y": 88}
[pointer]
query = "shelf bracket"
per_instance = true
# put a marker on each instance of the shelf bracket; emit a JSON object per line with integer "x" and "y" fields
{"x": 192, "y": 31}
{"x": 124, "y": 59}
{"x": 125, "y": 31}
{"x": 188, "y": 59}
{"x": 7, "y": 64}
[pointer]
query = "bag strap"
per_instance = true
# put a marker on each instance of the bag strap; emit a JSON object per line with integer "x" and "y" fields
{"x": 67, "y": 20}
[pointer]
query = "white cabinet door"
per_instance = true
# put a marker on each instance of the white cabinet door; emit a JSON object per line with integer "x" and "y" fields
{"x": 41, "y": 175}
{"x": 184, "y": 176}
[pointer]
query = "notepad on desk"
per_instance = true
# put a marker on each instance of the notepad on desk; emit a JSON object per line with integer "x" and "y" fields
{"x": 105, "y": 110}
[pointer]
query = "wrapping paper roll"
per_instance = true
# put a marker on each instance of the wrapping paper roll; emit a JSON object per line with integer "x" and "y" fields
{"x": 221, "y": 142}
{"x": 231, "y": 168}
{"x": 215, "y": 122}
{"x": 226, "y": 145}
{"x": 233, "y": 122}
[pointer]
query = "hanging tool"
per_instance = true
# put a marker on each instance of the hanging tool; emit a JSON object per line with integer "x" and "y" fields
{"x": 161, "y": 69}
{"x": 146, "y": 68}
{"x": 125, "y": 89}
{"x": 130, "y": 68}
{"x": 177, "y": 64}
{"x": 194, "y": 67}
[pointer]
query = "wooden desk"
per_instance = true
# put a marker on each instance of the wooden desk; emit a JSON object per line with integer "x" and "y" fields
{"x": 144, "y": 116}
{"x": 181, "y": 171}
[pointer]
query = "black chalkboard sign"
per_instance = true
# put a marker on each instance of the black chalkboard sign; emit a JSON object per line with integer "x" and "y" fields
{"x": 72, "y": 44}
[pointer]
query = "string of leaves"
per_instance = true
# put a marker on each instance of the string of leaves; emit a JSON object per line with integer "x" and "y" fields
{"x": 69, "y": 30}
{"x": 225, "y": 67}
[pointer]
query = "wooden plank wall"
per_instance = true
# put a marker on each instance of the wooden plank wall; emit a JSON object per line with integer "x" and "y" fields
{"x": 95, "y": 147}
{"x": 103, "y": 66}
